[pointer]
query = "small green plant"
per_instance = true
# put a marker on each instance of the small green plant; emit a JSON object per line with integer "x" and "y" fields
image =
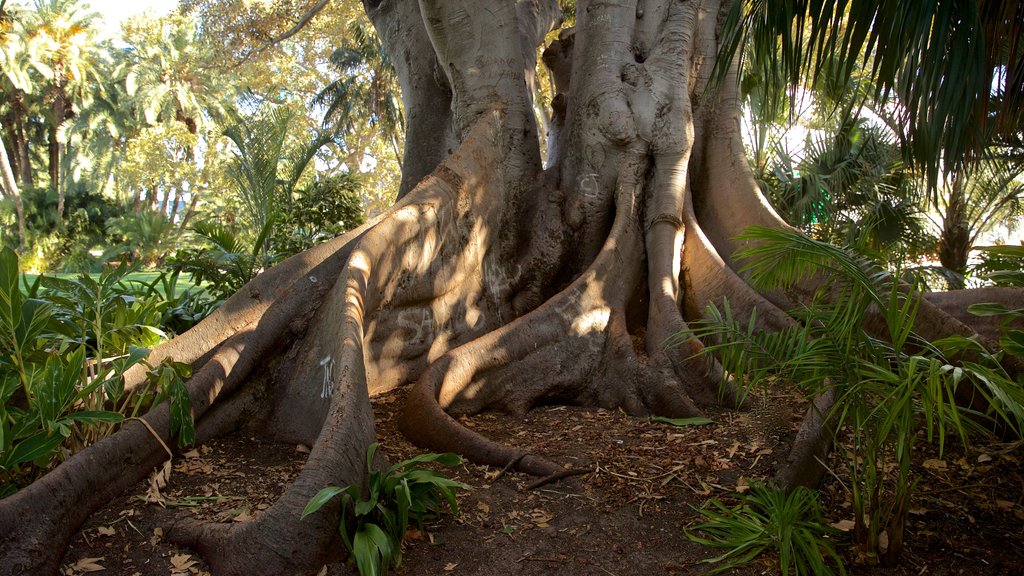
{"x": 770, "y": 520}
{"x": 64, "y": 347}
{"x": 892, "y": 389}
{"x": 402, "y": 493}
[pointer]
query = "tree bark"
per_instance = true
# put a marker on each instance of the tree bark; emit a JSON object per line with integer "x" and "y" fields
{"x": 11, "y": 191}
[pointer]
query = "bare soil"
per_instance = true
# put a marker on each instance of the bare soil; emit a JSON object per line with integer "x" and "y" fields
{"x": 625, "y": 517}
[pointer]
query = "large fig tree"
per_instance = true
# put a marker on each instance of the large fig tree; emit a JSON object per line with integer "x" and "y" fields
{"x": 497, "y": 281}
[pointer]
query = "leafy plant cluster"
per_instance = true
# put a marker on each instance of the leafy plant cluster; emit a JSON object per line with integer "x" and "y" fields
{"x": 65, "y": 345}
{"x": 893, "y": 388}
{"x": 381, "y": 514}
{"x": 769, "y": 519}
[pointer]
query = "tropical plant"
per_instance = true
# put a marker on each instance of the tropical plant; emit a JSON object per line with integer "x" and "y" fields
{"x": 64, "y": 347}
{"x": 402, "y": 493}
{"x": 316, "y": 213}
{"x": 911, "y": 51}
{"x": 973, "y": 201}
{"x": 789, "y": 524}
{"x": 224, "y": 264}
{"x": 145, "y": 237}
{"x": 888, "y": 386}
{"x": 365, "y": 95}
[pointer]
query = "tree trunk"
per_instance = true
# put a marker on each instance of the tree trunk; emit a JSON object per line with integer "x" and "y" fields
{"x": 955, "y": 237}
{"x": 493, "y": 283}
{"x": 11, "y": 191}
{"x": 56, "y": 154}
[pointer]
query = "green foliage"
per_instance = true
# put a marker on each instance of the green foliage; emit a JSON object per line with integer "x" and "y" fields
{"x": 888, "y": 389}
{"x": 402, "y": 493}
{"x": 225, "y": 264}
{"x": 146, "y": 237}
{"x": 64, "y": 347}
{"x": 317, "y": 213}
{"x": 1002, "y": 265}
{"x": 913, "y": 50}
{"x": 848, "y": 185}
{"x": 770, "y": 520}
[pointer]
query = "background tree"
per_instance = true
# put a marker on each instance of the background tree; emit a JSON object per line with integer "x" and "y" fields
{"x": 61, "y": 48}
{"x": 496, "y": 283}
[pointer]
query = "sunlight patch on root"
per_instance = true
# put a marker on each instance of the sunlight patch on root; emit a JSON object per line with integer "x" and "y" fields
{"x": 575, "y": 348}
{"x": 377, "y": 272}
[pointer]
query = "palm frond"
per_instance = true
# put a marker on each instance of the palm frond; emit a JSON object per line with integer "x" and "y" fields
{"x": 939, "y": 58}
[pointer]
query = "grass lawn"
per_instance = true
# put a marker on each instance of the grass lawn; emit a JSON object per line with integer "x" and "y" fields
{"x": 140, "y": 277}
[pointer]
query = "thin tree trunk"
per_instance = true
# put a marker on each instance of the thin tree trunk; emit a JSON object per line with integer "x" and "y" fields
{"x": 164, "y": 201}
{"x": 11, "y": 191}
{"x": 56, "y": 150}
{"x": 955, "y": 239}
{"x": 174, "y": 206}
{"x": 191, "y": 210}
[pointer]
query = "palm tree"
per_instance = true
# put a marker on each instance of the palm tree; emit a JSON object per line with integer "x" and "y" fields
{"x": 61, "y": 48}
{"x": 259, "y": 141}
{"x": 912, "y": 51}
{"x": 972, "y": 202}
{"x": 365, "y": 96}
{"x": 165, "y": 78}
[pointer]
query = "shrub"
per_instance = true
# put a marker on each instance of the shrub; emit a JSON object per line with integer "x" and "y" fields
{"x": 770, "y": 519}
{"x": 402, "y": 492}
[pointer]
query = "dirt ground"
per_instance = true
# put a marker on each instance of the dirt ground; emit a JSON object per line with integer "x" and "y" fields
{"x": 623, "y": 518}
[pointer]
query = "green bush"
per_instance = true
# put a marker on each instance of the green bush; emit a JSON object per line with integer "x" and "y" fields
{"x": 770, "y": 520}
{"x": 64, "y": 347}
{"x": 403, "y": 492}
{"x": 891, "y": 391}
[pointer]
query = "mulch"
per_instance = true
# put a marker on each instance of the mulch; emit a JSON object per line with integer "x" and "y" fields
{"x": 625, "y": 517}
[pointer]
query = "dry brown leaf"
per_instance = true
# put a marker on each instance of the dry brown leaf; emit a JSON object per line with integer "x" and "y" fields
{"x": 182, "y": 564}
{"x": 302, "y": 449}
{"x": 106, "y": 531}
{"x": 193, "y": 453}
{"x": 450, "y": 566}
{"x": 88, "y": 565}
{"x": 984, "y": 458}
{"x": 157, "y": 481}
{"x": 322, "y": 572}
{"x": 742, "y": 485}
{"x": 483, "y": 507}
{"x": 844, "y": 525}
{"x": 935, "y": 464}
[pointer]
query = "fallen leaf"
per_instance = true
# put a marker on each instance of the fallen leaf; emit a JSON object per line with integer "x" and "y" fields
{"x": 935, "y": 464}
{"x": 1005, "y": 504}
{"x": 302, "y": 449}
{"x": 693, "y": 421}
{"x": 483, "y": 507}
{"x": 844, "y": 525}
{"x": 322, "y": 572}
{"x": 450, "y": 566}
{"x": 105, "y": 531}
{"x": 984, "y": 458}
{"x": 193, "y": 453}
{"x": 88, "y": 565}
{"x": 181, "y": 563}
{"x": 742, "y": 485}
{"x": 157, "y": 481}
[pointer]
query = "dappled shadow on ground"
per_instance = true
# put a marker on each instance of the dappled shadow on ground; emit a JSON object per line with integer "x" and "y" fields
{"x": 625, "y": 517}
